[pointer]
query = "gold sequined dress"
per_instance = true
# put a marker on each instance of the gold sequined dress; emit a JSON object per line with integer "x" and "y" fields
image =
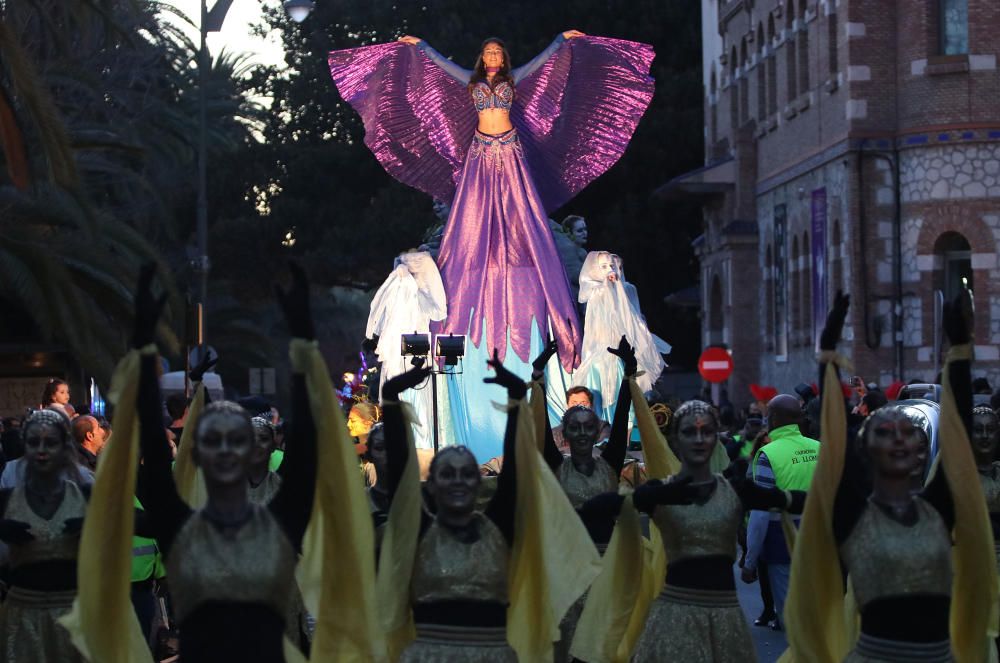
{"x": 887, "y": 559}
{"x": 28, "y": 628}
{"x": 450, "y": 571}
{"x": 211, "y": 569}
{"x": 698, "y": 625}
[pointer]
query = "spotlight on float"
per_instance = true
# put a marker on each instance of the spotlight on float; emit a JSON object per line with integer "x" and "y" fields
{"x": 298, "y": 10}
{"x": 451, "y": 348}
{"x": 415, "y": 345}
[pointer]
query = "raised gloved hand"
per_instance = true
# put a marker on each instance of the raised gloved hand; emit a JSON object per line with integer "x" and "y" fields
{"x": 15, "y": 531}
{"x": 208, "y": 361}
{"x": 542, "y": 360}
{"x": 516, "y": 389}
{"x": 147, "y": 308}
{"x": 653, "y": 493}
{"x": 626, "y": 353}
{"x": 408, "y": 380}
{"x": 294, "y": 303}
{"x": 957, "y": 319}
{"x": 834, "y": 322}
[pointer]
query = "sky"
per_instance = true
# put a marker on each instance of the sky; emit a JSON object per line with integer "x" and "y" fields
{"x": 235, "y": 35}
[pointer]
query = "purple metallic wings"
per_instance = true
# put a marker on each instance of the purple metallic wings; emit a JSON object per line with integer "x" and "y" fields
{"x": 576, "y": 114}
{"x": 418, "y": 119}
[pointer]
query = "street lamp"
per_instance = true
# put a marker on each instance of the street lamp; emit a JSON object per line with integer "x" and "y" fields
{"x": 211, "y": 21}
{"x": 298, "y": 10}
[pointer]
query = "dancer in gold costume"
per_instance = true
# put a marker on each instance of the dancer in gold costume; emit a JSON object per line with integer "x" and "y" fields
{"x": 697, "y": 616}
{"x": 590, "y": 482}
{"x": 41, "y": 524}
{"x": 896, "y": 546}
{"x": 459, "y": 582}
{"x": 230, "y": 563}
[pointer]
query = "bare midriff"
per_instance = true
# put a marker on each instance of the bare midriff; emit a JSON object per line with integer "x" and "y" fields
{"x": 494, "y": 121}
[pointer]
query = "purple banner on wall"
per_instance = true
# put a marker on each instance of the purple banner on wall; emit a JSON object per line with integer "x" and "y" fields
{"x": 820, "y": 301}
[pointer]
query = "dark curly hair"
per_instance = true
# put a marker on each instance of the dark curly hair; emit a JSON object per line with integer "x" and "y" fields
{"x": 479, "y": 70}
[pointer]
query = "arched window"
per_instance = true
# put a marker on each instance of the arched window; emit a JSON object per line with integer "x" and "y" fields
{"x": 790, "y": 55}
{"x": 953, "y": 26}
{"x": 772, "y": 70}
{"x": 803, "y": 48}
{"x": 715, "y": 317}
{"x": 952, "y": 264}
{"x": 761, "y": 75}
{"x": 734, "y": 95}
{"x": 796, "y": 298}
{"x": 744, "y": 84}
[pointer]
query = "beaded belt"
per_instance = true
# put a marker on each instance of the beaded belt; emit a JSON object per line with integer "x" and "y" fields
{"x": 900, "y": 651}
{"x": 32, "y": 598}
{"x": 705, "y": 598}
{"x": 490, "y": 147}
{"x": 476, "y": 636}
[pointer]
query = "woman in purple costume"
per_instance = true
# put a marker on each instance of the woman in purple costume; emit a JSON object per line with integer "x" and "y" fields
{"x": 539, "y": 134}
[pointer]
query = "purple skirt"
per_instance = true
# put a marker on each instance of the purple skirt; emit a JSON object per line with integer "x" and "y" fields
{"x": 498, "y": 259}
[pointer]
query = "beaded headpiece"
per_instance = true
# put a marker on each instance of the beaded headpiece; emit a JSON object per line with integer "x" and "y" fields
{"x": 578, "y": 408}
{"x": 48, "y": 417}
{"x": 983, "y": 409}
{"x": 261, "y": 422}
{"x": 696, "y": 408}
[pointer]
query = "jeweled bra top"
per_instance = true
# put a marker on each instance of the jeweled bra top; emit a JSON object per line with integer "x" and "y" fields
{"x": 502, "y": 96}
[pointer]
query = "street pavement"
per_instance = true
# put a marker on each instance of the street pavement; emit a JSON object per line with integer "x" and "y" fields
{"x": 770, "y": 644}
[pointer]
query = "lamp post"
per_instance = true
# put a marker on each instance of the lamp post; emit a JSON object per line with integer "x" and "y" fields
{"x": 211, "y": 21}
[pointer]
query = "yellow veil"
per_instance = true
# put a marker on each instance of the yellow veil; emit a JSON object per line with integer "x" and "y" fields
{"x": 102, "y": 623}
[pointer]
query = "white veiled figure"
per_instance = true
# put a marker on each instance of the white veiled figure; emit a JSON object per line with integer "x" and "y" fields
{"x": 406, "y": 303}
{"x": 613, "y": 311}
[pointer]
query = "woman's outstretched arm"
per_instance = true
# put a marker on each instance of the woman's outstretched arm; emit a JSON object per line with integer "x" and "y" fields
{"x": 530, "y": 67}
{"x": 458, "y": 73}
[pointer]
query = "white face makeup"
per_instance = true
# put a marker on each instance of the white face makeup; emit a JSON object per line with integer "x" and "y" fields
{"x": 579, "y": 232}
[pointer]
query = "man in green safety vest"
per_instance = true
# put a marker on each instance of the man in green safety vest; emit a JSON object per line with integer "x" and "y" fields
{"x": 787, "y": 462}
{"x": 147, "y": 567}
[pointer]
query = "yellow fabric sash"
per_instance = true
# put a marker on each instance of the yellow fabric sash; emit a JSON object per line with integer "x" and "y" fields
{"x": 399, "y": 550}
{"x": 337, "y": 571}
{"x": 553, "y": 561}
{"x": 608, "y": 610}
{"x": 187, "y": 476}
{"x": 814, "y": 610}
{"x": 102, "y": 623}
{"x": 660, "y": 463}
{"x": 974, "y": 583}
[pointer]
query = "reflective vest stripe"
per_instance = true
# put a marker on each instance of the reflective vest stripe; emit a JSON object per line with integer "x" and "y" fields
{"x": 143, "y": 550}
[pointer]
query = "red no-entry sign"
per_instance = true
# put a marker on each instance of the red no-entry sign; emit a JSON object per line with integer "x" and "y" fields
{"x": 715, "y": 365}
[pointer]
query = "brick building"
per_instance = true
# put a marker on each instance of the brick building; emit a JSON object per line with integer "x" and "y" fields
{"x": 849, "y": 144}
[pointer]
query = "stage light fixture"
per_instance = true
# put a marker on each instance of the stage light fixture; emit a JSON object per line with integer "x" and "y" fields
{"x": 451, "y": 348}
{"x": 415, "y": 345}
